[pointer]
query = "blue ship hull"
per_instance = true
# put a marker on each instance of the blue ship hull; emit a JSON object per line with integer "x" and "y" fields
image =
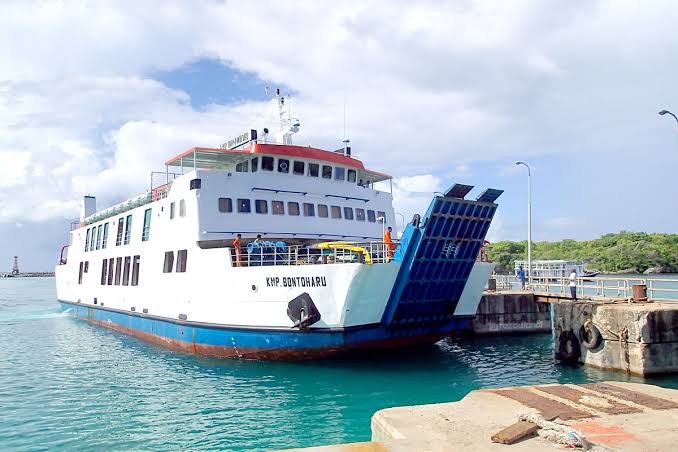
{"x": 259, "y": 343}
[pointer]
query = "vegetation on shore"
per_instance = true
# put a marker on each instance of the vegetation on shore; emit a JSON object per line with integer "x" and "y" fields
{"x": 624, "y": 252}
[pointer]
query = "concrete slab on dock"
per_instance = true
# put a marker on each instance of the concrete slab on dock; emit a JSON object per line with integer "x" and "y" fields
{"x": 637, "y": 338}
{"x": 610, "y": 416}
{"x": 511, "y": 312}
{"x": 617, "y": 416}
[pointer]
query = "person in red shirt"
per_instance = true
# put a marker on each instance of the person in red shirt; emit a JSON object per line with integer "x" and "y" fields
{"x": 236, "y": 247}
{"x": 388, "y": 242}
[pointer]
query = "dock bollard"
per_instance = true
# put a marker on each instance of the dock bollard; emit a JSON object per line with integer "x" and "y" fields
{"x": 639, "y": 292}
{"x": 492, "y": 284}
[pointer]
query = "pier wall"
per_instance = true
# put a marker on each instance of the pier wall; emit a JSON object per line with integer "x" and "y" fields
{"x": 638, "y": 338}
{"x": 511, "y": 313}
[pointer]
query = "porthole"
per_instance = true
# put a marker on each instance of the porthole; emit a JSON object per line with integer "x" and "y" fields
{"x": 254, "y": 287}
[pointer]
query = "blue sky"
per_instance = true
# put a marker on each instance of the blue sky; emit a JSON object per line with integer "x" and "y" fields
{"x": 434, "y": 94}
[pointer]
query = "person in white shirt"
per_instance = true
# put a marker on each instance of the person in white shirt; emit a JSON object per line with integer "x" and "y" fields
{"x": 573, "y": 284}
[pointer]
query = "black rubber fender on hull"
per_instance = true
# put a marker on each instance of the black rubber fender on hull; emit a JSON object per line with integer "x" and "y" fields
{"x": 589, "y": 336}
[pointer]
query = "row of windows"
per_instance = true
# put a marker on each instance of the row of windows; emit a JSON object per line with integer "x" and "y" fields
{"x": 261, "y": 206}
{"x": 115, "y": 271}
{"x": 299, "y": 168}
{"x": 97, "y": 236}
{"x": 182, "y": 256}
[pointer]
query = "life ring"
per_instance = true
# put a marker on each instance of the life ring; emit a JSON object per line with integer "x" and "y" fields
{"x": 589, "y": 336}
{"x": 568, "y": 347}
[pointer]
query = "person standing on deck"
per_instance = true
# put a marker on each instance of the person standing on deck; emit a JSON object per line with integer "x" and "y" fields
{"x": 388, "y": 242}
{"x": 520, "y": 274}
{"x": 573, "y": 284}
{"x": 236, "y": 246}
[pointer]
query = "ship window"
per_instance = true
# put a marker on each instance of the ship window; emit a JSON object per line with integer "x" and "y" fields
{"x": 104, "y": 241}
{"x": 104, "y": 270}
{"x": 360, "y": 214}
{"x": 89, "y": 231}
{"x": 242, "y": 167}
{"x": 118, "y": 238}
{"x": 182, "y": 208}
{"x": 99, "y": 236}
{"x": 348, "y": 213}
{"x": 322, "y": 211}
{"x": 351, "y": 175}
{"x": 327, "y": 172}
{"x": 135, "y": 270}
{"x": 313, "y": 169}
{"x": 339, "y": 173}
{"x": 298, "y": 168}
{"x": 225, "y": 205}
{"x": 370, "y": 216}
{"x": 86, "y": 267}
{"x": 255, "y": 164}
{"x": 169, "y": 262}
{"x": 146, "y": 233}
{"x": 172, "y": 209}
{"x": 278, "y": 208}
{"x": 283, "y": 166}
{"x": 336, "y": 212}
{"x": 267, "y": 163}
{"x": 293, "y": 208}
{"x": 82, "y": 266}
{"x": 382, "y": 215}
{"x": 309, "y": 209}
{"x": 261, "y": 206}
{"x": 244, "y": 206}
{"x": 118, "y": 270}
{"x": 128, "y": 229}
{"x": 111, "y": 263}
{"x": 181, "y": 261}
{"x": 125, "y": 271}
{"x": 195, "y": 184}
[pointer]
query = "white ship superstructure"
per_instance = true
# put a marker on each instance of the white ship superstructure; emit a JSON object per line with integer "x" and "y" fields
{"x": 312, "y": 274}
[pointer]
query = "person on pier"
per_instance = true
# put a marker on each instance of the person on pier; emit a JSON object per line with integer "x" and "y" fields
{"x": 573, "y": 284}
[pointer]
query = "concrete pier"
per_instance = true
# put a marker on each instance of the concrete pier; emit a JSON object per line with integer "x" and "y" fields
{"x": 636, "y": 338}
{"x": 607, "y": 416}
{"x": 514, "y": 312}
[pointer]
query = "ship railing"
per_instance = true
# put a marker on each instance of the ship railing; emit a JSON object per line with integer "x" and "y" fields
{"x": 278, "y": 253}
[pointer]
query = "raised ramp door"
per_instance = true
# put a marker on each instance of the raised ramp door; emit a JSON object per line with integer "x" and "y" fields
{"x": 436, "y": 257}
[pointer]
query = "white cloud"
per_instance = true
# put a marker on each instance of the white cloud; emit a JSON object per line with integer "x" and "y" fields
{"x": 430, "y": 88}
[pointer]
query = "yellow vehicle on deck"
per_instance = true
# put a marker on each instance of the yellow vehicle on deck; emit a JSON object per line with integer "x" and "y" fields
{"x": 346, "y": 250}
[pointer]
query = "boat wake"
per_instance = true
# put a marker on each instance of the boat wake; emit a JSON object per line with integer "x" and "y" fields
{"x": 14, "y": 318}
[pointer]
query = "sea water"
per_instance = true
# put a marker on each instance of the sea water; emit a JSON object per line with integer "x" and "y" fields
{"x": 66, "y": 384}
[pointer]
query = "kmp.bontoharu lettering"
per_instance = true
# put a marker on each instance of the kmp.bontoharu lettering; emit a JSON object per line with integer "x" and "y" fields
{"x": 296, "y": 281}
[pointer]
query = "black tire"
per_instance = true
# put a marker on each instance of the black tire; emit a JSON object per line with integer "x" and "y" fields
{"x": 568, "y": 347}
{"x": 589, "y": 336}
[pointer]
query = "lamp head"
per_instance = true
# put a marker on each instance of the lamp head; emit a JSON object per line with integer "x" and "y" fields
{"x": 520, "y": 163}
{"x": 663, "y": 112}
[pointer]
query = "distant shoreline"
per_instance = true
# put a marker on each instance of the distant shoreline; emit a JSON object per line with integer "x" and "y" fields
{"x": 28, "y": 275}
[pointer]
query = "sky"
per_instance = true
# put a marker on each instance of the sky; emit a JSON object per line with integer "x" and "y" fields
{"x": 95, "y": 95}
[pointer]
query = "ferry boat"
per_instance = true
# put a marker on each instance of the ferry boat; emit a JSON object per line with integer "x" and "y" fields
{"x": 263, "y": 249}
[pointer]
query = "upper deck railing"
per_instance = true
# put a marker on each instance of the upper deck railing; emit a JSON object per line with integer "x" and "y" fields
{"x": 266, "y": 253}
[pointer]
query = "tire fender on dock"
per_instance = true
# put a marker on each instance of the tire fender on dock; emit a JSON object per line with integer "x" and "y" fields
{"x": 589, "y": 335}
{"x": 569, "y": 348}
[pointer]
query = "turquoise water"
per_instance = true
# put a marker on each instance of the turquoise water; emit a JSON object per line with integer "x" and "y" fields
{"x": 65, "y": 384}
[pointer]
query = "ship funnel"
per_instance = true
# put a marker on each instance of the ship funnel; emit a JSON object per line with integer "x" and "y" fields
{"x": 89, "y": 207}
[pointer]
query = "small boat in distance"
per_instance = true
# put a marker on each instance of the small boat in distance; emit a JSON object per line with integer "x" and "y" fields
{"x": 264, "y": 249}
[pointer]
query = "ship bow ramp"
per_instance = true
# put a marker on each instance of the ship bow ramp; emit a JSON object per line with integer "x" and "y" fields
{"x": 437, "y": 254}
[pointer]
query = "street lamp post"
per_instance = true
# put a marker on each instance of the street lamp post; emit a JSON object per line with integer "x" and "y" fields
{"x": 529, "y": 221}
{"x": 666, "y": 112}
